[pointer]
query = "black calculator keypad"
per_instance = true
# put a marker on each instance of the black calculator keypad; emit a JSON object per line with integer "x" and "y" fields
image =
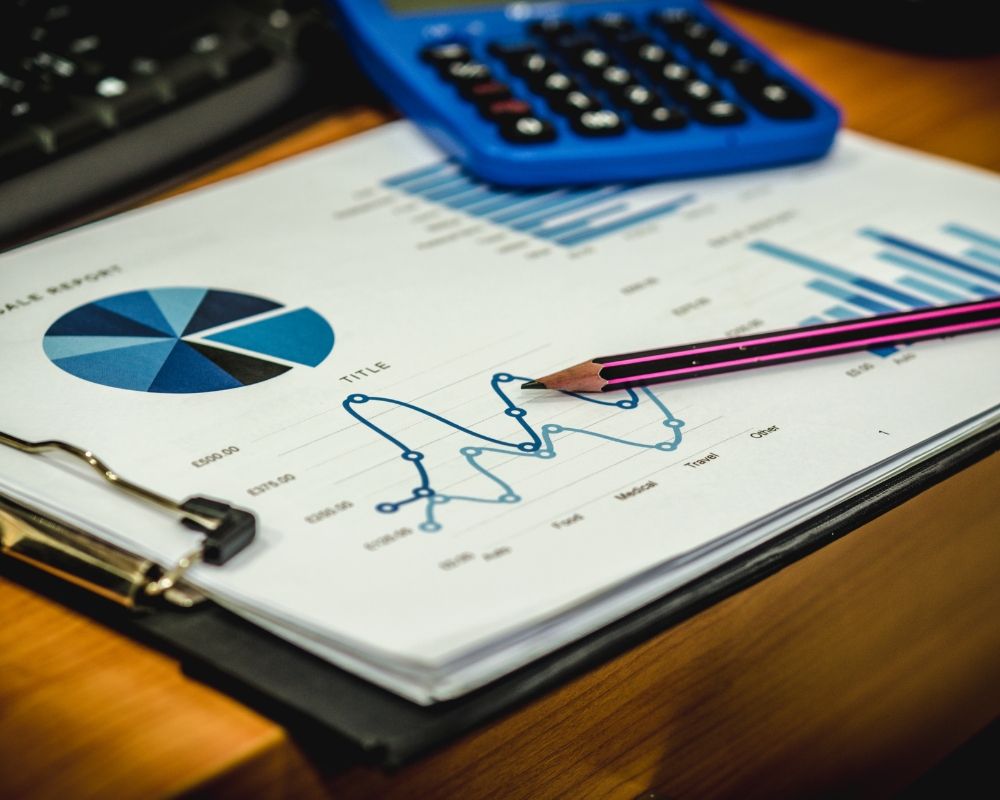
{"x": 642, "y": 70}
{"x": 528, "y": 130}
{"x": 598, "y": 123}
{"x": 444, "y": 54}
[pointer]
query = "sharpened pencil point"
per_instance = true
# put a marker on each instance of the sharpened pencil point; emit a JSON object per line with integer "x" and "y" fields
{"x": 533, "y": 385}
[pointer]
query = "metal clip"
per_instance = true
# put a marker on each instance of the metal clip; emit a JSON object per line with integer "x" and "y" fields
{"x": 109, "y": 570}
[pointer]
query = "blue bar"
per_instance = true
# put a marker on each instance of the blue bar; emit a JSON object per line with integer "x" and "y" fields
{"x": 859, "y": 300}
{"x": 811, "y": 321}
{"x": 427, "y": 184}
{"x": 554, "y": 203}
{"x": 531, "y": 222}
{"x": 971, "y": 235}
{"x": 841, "y": 274}
{"x": 932, "y": 290}
{"x": 839, "y": 312}
{"x": 526, "y": 204}
{"x": 503, "y": 200}
{"x": 579, "y": 222}
{"x": 442, "y": 193}
{"x": 984, "y": 257}
{"x": 399, "y": 180}
{"x": 884, "y": 352}
{"x": 635, "y": 219}
{"x": 926, "y": 252}
{"x": 485, "y": 193}
{"x": 944, "y": 277}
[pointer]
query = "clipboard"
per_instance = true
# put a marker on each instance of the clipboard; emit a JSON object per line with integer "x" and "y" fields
{"x": 345, "y": 720}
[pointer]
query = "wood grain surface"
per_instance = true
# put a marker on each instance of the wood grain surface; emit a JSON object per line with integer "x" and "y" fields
{"x": 844, "y": 675}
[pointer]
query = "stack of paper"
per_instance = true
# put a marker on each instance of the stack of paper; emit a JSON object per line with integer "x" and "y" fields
{"x": 338, "y": 342}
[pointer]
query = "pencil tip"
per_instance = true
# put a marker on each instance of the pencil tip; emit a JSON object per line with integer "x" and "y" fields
{"x": 533, "y": 385}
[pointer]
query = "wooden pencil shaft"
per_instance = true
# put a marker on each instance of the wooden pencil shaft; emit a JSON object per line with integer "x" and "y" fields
{"x": 899, "y": 329}
{"x": 739, "y": 363}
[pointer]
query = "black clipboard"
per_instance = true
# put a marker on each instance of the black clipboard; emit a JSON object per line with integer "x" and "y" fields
{"x": 342, "y": 720}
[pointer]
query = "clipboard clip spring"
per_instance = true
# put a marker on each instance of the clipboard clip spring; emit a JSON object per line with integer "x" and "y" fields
{"x": 110, "y": 570}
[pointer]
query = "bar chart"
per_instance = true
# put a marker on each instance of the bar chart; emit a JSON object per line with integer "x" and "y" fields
{"x": 924, "y": 275}
{"x": 567, "y": 217}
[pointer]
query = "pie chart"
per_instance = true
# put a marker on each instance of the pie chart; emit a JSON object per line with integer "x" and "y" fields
{"x": 168, "y": 340}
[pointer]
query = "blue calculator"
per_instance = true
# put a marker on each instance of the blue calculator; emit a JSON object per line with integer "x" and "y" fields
{"x": 537, "y": 94}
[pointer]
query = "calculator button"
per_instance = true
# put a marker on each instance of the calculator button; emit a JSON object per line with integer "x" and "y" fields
{"x": 557, "y": 84}
{"x": 595, "y": 60}
{"x": 720, "y": 54}
{"x": 528, "y": 130}
{"x": 598, "y": 123}
{"x": 466, "y": 73}
{"x": 746, "y": 74}
{"x": 552, "y": 29}
{"x": 637, "y": 98}
{"x": 720, "y": 112}
{"x": 611, "y": 24}
{"x": 572, "y": 45}
{"x": 697, "y": 36}
{"x": 442, "y": 55}
{"x": 779, "y": 100}
{"x": 533, "y": 66}
{"x": 615, "y": 77}
{"x": 487, "y": 92}
{"x": 573, "y": 103}
{"x": 699, "y": 91}
{"x": 631, "y": 41}
{"x": 508, "y": 52}
{"x": 659, "y": 118}
{"x": 652, "y": 56}
{"x": 673, "y": 20}
{"x": 508, "y": 110}
{"x": 675, "y": 74}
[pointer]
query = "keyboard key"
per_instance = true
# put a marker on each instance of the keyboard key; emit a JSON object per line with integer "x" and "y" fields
{"x": 778, "y": 100}
{"x": 528, "y": 130}
{"x": 69, "y": 129}
{"x": 575, "y": 103}
{"x": 598, "y": 123}
{"x": 720, "y": 112}
{"x": 124, "y": 101}
{"x": 552, "y": 29}
{"x": 659, "y": 118}
{"x": 487, "y": 92}
{"x": 720, "y": 54}
{"x": 441, "y": 55}
{"x": 249, "y": 62}
{"x": 631, "y": 41}
{"x": 19, "y": 151}
{"x": 508, "y": 110}
{"x": 466, "y": 73}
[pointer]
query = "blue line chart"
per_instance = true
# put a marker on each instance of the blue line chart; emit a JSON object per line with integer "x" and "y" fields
{"x": 536, "y": 443}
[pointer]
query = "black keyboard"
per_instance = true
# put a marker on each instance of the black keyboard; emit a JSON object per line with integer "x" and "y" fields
{"x": 94, "y": 94}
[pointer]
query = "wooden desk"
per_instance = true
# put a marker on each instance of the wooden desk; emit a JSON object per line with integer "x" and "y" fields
{"x": 846, "y": 674}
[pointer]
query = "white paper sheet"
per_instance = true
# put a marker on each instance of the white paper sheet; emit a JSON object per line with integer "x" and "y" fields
{"x": 425, "y": 522}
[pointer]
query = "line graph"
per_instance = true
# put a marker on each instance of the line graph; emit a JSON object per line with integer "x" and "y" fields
{"x": 534, "y": 443}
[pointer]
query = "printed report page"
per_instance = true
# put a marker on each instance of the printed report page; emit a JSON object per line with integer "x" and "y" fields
{"x": 338, "y": 343}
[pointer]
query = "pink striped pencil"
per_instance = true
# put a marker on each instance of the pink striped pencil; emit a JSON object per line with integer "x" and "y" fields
{"x": 776, "y": 347}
